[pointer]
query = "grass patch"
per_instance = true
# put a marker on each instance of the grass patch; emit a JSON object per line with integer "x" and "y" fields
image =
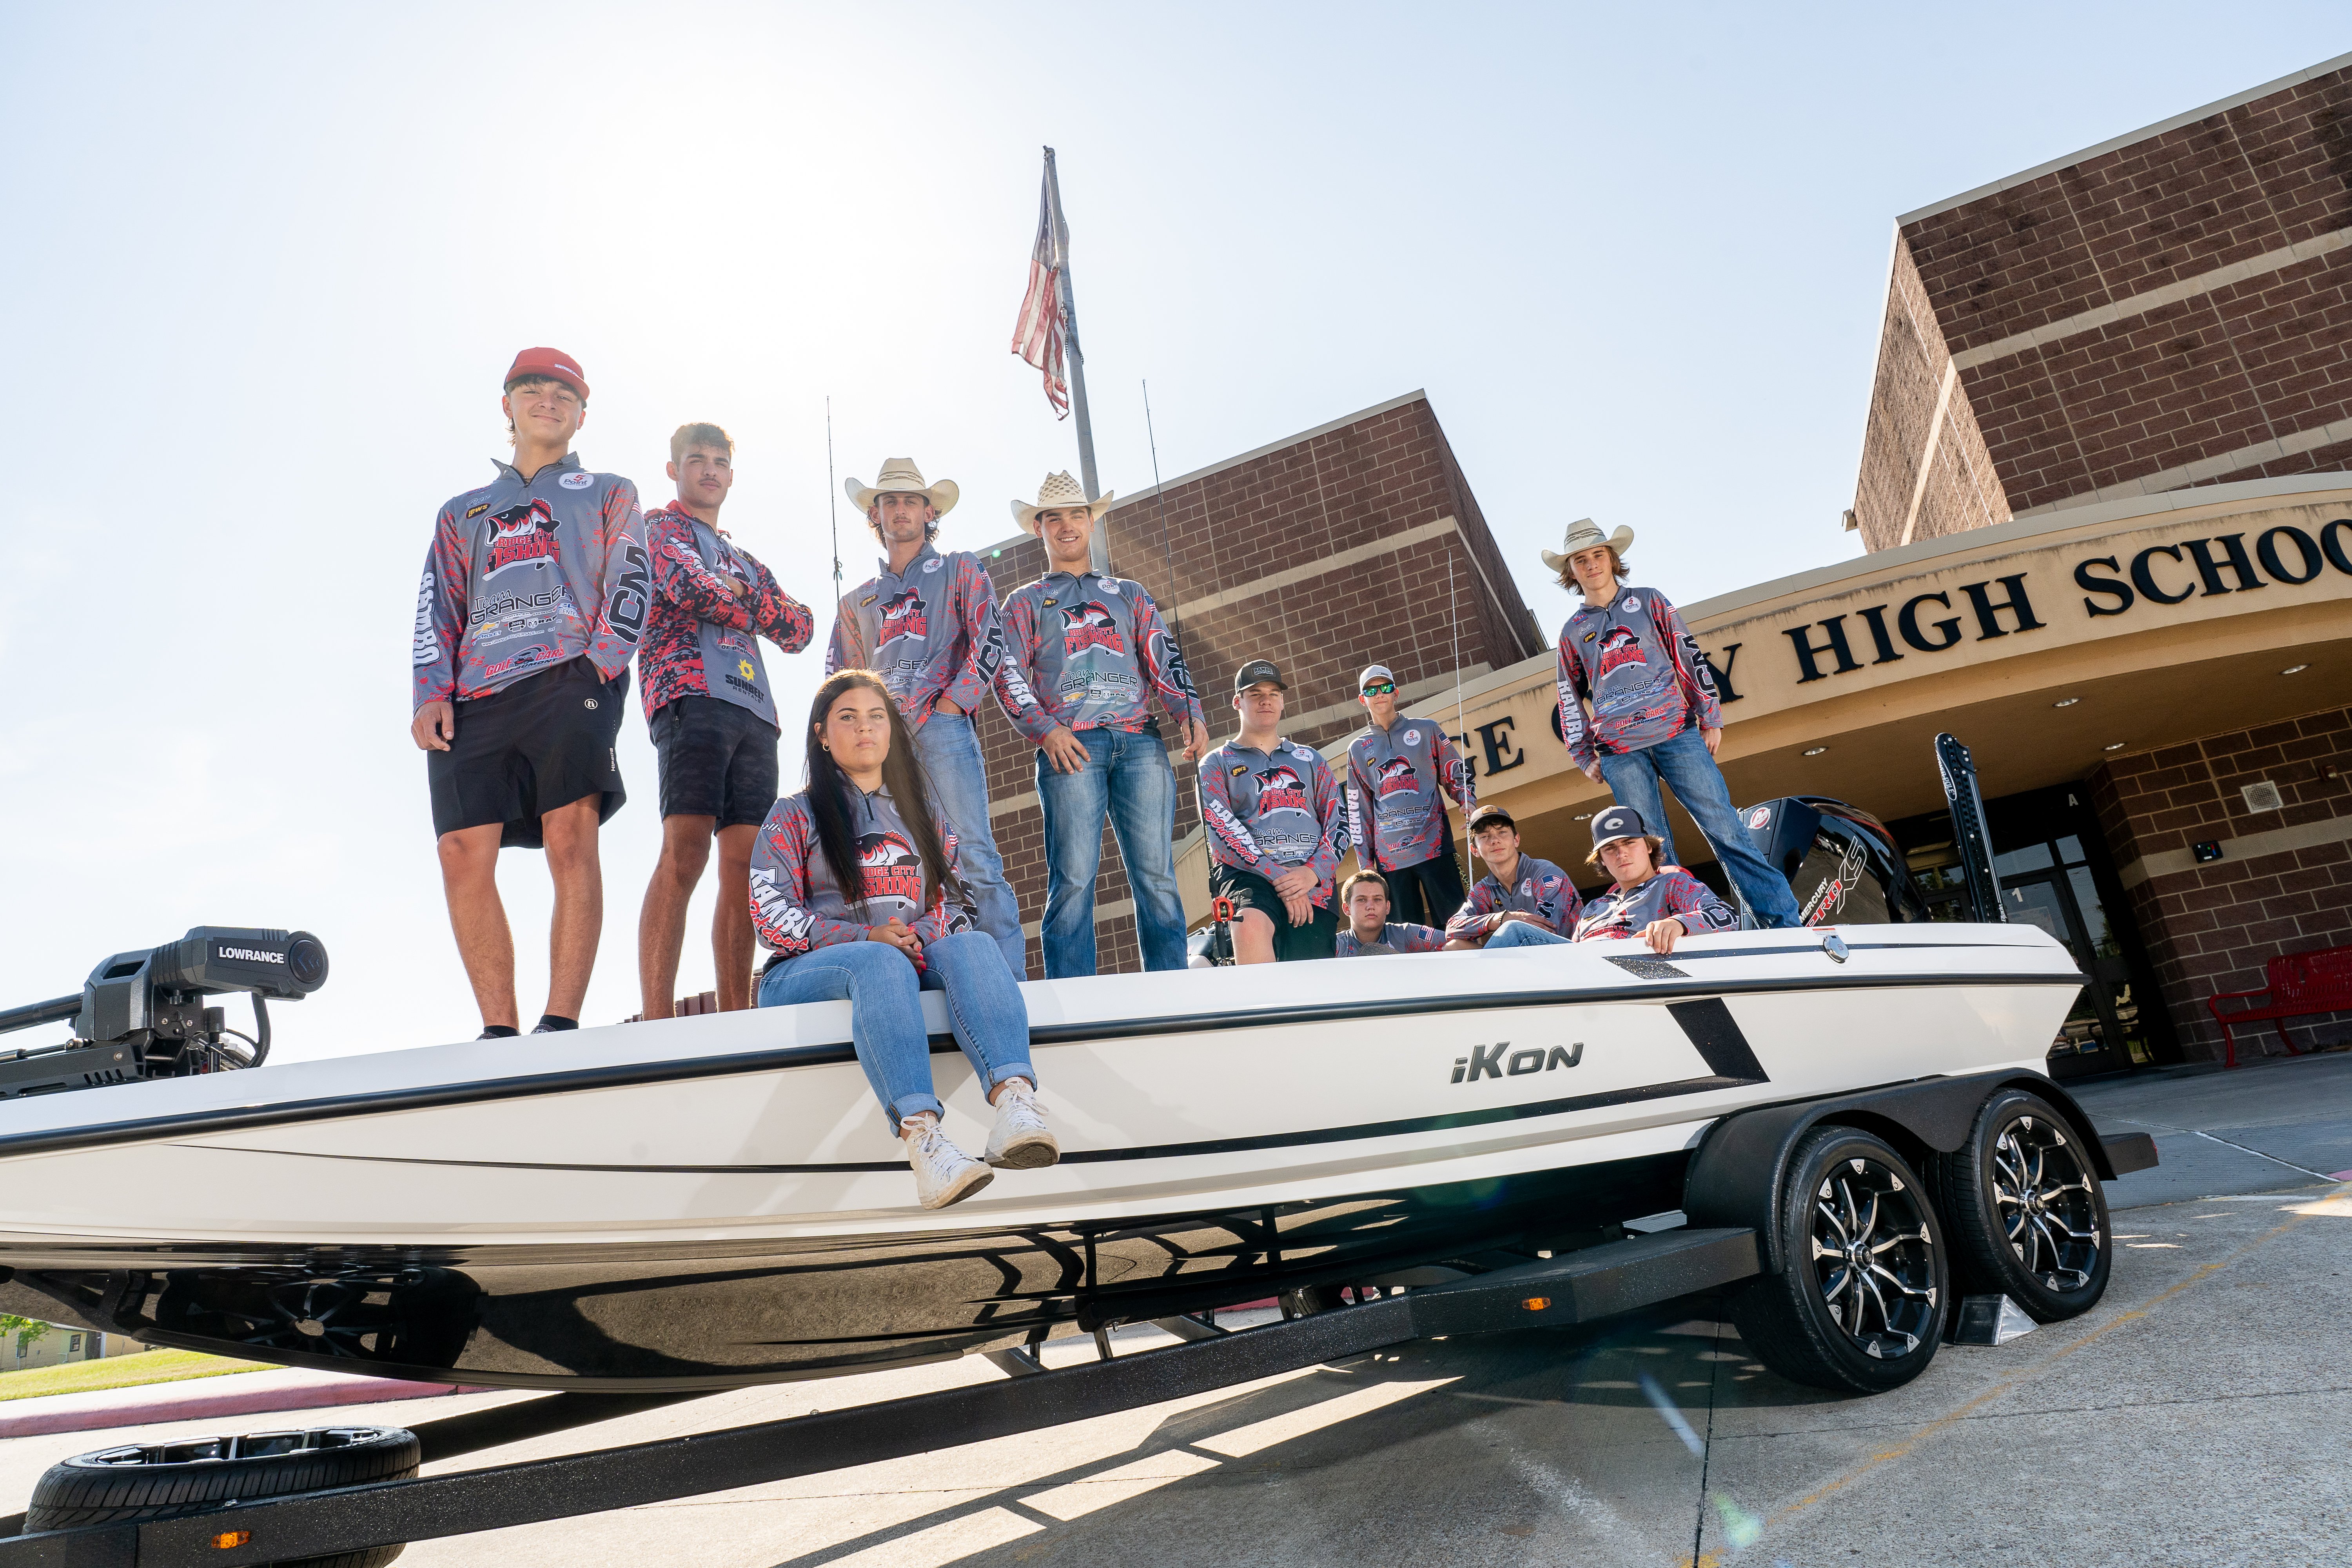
{"x": 120, "y": 1372}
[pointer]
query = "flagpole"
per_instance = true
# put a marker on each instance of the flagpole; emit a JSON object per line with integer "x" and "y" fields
{"x": 1101, "y": 553}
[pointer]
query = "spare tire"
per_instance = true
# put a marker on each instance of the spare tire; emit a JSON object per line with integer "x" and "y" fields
{"x": 164, "y": 1480}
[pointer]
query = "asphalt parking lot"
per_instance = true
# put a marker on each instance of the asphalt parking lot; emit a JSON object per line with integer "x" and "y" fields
{"x": 2196, "y": 1417}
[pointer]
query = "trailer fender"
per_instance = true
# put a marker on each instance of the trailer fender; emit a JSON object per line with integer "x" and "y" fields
{"x": 1736, "y": 1174}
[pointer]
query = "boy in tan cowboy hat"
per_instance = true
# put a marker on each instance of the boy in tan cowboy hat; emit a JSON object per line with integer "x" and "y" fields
{"x": 1091, "y": 649}
{"x": 1656, "y": 717}
{"x": 927, "y": 624}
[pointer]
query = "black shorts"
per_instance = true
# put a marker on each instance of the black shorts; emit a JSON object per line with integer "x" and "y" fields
{"x": 544, "y": 742}
{"x": 1318, "y": 938}
{"x": 1428, "y": 894}
{"x": 718, "y": 759}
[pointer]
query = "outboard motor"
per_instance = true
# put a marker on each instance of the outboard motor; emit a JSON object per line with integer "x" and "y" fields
{"x": 1842, "y": 862}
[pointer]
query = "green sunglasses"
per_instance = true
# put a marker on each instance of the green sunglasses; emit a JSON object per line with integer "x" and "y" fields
{"x": 1379, "y": 689}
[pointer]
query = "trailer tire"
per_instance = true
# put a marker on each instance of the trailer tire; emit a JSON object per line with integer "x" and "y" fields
{"x": 164, "y": 1480}
{"x": 1849, "y": 1198}
{"x": 2028, "y": 1218}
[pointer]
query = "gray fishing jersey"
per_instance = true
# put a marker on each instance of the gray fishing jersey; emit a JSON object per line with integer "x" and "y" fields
{"x": 928, "y": 632}
{"x": 1399, "y": 780}
{"x": 1092, "y": 650}
{"x": 524, "y": 574}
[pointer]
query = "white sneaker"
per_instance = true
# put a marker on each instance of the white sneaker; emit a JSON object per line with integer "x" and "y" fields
{"x": 944, "y": 1174}
{"x": 1021, "y": 1141}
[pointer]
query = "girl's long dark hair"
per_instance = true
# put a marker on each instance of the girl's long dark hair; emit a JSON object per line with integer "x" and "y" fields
{"x": 902, "y": 774}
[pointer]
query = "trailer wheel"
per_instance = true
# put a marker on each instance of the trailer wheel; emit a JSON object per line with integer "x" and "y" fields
{"x": 2027, "y": 1215}
{"x": 1859, "y": 1303}
{"x": 163, "y": 1480}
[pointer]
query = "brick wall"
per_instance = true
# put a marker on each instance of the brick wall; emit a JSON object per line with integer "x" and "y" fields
{"x": 2211, "y": 928}
{"x": 1208, "y": 545}
{"x": 2177, "y": 378}
{"x": 1905, "y": 434}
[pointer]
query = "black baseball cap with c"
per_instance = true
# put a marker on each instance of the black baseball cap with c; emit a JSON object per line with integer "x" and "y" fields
{"x": 1617, "y": 822}
{"x": 1491, "y": 815}
{"x": 1255, "y": 671}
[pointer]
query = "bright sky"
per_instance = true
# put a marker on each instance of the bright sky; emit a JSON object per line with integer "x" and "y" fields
{"x": 264, "y": 267}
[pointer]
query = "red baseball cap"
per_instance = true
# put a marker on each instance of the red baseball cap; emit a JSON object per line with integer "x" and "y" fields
{"x": 552, "y": 362}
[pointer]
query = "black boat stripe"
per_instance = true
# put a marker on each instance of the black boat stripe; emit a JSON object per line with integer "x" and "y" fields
{"x": 1151, "y": 1152}
{"x": 1716, "y": 1033}
{"x": 228, "y": 1119}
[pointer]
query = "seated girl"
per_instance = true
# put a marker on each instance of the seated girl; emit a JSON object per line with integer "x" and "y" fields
{"x": 1660, "y": 904}
{"x": 854, "y": 884}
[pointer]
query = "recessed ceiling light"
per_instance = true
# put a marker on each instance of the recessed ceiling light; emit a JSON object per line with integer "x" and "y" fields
{"x": 1815, "y": 750}
{"x": 1583, "y": 817}
{"x": 2119, "y": 746}
{"x": 2065, "y": 702}
{"x": 2295, "y": 670}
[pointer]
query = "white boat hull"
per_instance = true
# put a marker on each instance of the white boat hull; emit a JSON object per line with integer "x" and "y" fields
{"x": 716, "y": 1199}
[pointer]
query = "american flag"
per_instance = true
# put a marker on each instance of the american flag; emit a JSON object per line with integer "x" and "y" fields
{"x": 1037, "y": 336}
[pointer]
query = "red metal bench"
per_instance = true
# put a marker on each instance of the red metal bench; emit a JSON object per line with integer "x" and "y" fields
{"x": 2300, "y": 983}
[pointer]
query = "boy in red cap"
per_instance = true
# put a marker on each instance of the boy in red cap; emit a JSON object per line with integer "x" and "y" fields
{"x": 534, "y": 595}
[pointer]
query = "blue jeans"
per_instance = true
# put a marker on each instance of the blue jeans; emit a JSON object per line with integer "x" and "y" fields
{"x": 885, "y": 1011}
{"x": 1683, "y": 762}
{"x": 1127, "y": 779}
{"x": 1525, "y": 933}
{"x": 951, "y": 761}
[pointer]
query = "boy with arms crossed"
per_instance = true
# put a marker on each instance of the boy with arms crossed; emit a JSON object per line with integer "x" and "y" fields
{"x": 711, "y": 714}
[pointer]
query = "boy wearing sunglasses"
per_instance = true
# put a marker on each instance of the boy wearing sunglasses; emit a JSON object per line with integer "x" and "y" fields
{"x": 1400, "y": 772}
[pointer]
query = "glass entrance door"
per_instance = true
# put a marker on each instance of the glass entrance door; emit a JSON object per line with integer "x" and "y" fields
{"x": 2054, "y": 875}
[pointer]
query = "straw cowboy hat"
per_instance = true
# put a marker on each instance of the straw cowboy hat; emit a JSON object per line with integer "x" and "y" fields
{"x": 1583, "y": 534}
{"x": 899, "y": 475}
{"x": 1058, "y": 493}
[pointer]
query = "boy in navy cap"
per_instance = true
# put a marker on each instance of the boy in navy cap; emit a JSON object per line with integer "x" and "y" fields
{"x": 1660, "y": 904}
{"x": 1275, "y": 834}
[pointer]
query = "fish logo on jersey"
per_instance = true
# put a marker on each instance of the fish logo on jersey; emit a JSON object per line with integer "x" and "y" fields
{"x": 891, "y": 868}
{"x": 524, "y": 531}
{"x": 1618, "y": 649}
{"x": 902, "y": 616}
{"x": 1089, "y": 626}
{"x": 1396, "y": 777}
{"x": 1280, "y": 788}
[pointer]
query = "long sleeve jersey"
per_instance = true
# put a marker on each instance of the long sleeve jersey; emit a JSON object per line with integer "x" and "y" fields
{"x": 928, "y": 632}
{"x": 1537, "y": 888}
{"x": 1638, "y": 665}
{"x": 796, "y": 905}
{"x": 699, "y": 624}
{"x": 1399, "y": 781}
{"x": 1090, "y": 650}
{"x": 1396, "y": 936}
{"x": 525, "y": 575}
{"x": 1623, "y": 912}
{"x": 1269, "y": 811}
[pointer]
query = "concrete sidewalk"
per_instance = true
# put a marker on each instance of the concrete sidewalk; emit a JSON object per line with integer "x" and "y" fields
{"x": 2278, "y": 1121}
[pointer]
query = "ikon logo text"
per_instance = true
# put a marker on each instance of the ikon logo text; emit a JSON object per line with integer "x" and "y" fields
{"x": 1499, "y": 1061}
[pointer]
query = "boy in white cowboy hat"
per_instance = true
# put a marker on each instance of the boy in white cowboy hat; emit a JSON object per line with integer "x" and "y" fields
{"x": 1656, "y": 715}
{"x": 1090, "y": 648}
{"x": 927, "y": 624}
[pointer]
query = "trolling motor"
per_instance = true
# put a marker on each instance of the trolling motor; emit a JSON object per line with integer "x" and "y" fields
{"x": 141, "y": 1015}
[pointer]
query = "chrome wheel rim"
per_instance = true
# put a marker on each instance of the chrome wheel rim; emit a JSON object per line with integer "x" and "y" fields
{"x": 1873, "y": 1258}
{"x": 2049, "y": 1210}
